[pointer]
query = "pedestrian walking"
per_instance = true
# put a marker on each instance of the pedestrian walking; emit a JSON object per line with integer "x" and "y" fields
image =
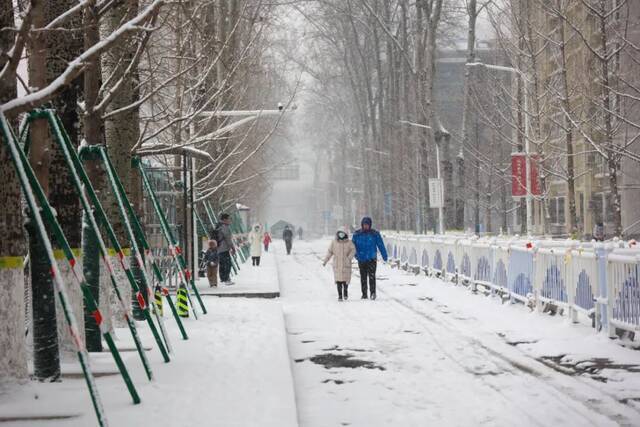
{"x": 368, "y": 242}
{"x": 226, "y": 248}
{"x": 300, "y": 233}
{"x": 287, "y": 236}
{"x": 342, "y": 250}
{"x": 255, "y": 240}
{"x": 211, "y": 260}
{"x": 266, "y": 241}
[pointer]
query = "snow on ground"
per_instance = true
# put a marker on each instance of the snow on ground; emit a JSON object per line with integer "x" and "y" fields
{"x": 252, "y": 281}
{"x": 425, "y": 353}
{"x": 233, "y": 371}
{"x": 431, "y": 353}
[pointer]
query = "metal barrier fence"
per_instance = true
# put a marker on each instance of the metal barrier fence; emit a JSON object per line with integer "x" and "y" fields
{"x": 595, "y": 281}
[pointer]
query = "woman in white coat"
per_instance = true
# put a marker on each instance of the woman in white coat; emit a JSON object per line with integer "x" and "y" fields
{"x": 342, "y": 250}
{"x": 255, "y": 239}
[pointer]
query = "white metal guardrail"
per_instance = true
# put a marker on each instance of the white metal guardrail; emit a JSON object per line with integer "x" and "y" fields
{"x": 595, "y": 281}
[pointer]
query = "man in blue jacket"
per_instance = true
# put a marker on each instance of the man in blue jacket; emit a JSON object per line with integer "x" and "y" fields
{"x": 368, "y": 242}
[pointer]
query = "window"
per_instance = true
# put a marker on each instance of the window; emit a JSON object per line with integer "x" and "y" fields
{"x": 556, "y": 210}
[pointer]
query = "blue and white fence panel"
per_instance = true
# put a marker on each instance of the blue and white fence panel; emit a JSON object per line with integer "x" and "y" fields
{"x": 567, "y": 274}
{"x": 623, "y": 289}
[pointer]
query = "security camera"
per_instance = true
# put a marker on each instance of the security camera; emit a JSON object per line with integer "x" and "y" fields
{"x": 280, "y": 106}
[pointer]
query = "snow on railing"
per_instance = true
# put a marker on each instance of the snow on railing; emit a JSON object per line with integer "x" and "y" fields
{"x": 584, "y": 280}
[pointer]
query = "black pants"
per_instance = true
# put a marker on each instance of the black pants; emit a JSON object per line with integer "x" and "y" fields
{"x": 255, "y": 260}
{"x": 288, "y": 244}
{"x": 225, "y": 265}
{"x": 342, "y": 289}
{"x": 368, "y": 272}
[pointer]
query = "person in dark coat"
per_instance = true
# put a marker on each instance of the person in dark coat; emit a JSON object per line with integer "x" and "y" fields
{"x": 287, "y": 236}
{"x": 226, "y": 248}
{"x": 211, "y": 260}
{"x": 300, "y": 233}
{"x": 368, "y": 242}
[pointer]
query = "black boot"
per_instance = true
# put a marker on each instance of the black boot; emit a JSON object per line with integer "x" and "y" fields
{"x": 345, "y": 291}
{"x": 339, "y": 287}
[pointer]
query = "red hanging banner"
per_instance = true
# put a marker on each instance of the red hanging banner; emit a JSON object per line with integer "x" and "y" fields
{"x": 519, "y": 175}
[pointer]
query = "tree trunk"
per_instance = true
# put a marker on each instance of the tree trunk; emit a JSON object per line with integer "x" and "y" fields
{"x": 121, "y": 132}
{"x": 466, "y": 114}
{"x": 93, "y": 135}
{"x": 13, "y": 358}
{"x": 46, "y": 358}
{"x": 62, "y": 48}
{"x": 572, "y": 226}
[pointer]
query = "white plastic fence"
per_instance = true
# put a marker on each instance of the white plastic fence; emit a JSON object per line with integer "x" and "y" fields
{"x": 593, "y": 281}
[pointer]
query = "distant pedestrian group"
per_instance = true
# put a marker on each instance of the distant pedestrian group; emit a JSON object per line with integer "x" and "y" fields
{"x": 218, "y": 258}
{"x": 364, "y": 245}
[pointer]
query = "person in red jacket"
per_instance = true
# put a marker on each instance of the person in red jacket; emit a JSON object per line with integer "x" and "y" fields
{"x": 266, "y": 240}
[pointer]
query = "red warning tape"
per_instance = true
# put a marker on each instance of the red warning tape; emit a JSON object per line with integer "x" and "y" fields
{"x": 141, "y": 301}
{"x": 98, "y": 316}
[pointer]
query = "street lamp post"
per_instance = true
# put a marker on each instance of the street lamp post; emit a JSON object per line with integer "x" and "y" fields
{"x": 440, "y": 209}
{"x": 520, "y": 74}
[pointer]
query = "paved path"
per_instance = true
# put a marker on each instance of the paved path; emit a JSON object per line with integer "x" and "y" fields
{"x": 405, "y": 360}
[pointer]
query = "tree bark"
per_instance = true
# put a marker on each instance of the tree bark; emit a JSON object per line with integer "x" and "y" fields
{"x": 13, "y": 359}
{"x": 46, "y": 358}
{"x": 93, "y": 135}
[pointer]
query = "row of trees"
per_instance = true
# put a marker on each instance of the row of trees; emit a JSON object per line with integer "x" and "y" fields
{"x": 141, "y": 78}
{"x": 378, "y": 64}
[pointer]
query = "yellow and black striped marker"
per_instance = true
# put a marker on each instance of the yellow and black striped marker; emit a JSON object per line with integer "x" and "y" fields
{"x": 158, "y": 299}
{"x": 183, "y": 302}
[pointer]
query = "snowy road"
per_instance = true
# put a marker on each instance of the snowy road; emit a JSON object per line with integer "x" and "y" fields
{"x": 428, "y": 353}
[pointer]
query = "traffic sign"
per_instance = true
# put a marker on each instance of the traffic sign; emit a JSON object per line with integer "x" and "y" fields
{"x": 435, "y": 193}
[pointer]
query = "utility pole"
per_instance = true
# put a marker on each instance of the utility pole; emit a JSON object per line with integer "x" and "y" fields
{"x": 527, "y": 154}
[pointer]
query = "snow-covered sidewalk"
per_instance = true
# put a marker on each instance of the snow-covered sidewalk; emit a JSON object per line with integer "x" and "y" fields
{"x": 430, "y": 353}
{"x": 256, "y": 282}
{"x": 233, "y": 371}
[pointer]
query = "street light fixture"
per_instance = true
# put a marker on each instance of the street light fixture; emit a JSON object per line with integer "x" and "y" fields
{"x": 520, "y": 74}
